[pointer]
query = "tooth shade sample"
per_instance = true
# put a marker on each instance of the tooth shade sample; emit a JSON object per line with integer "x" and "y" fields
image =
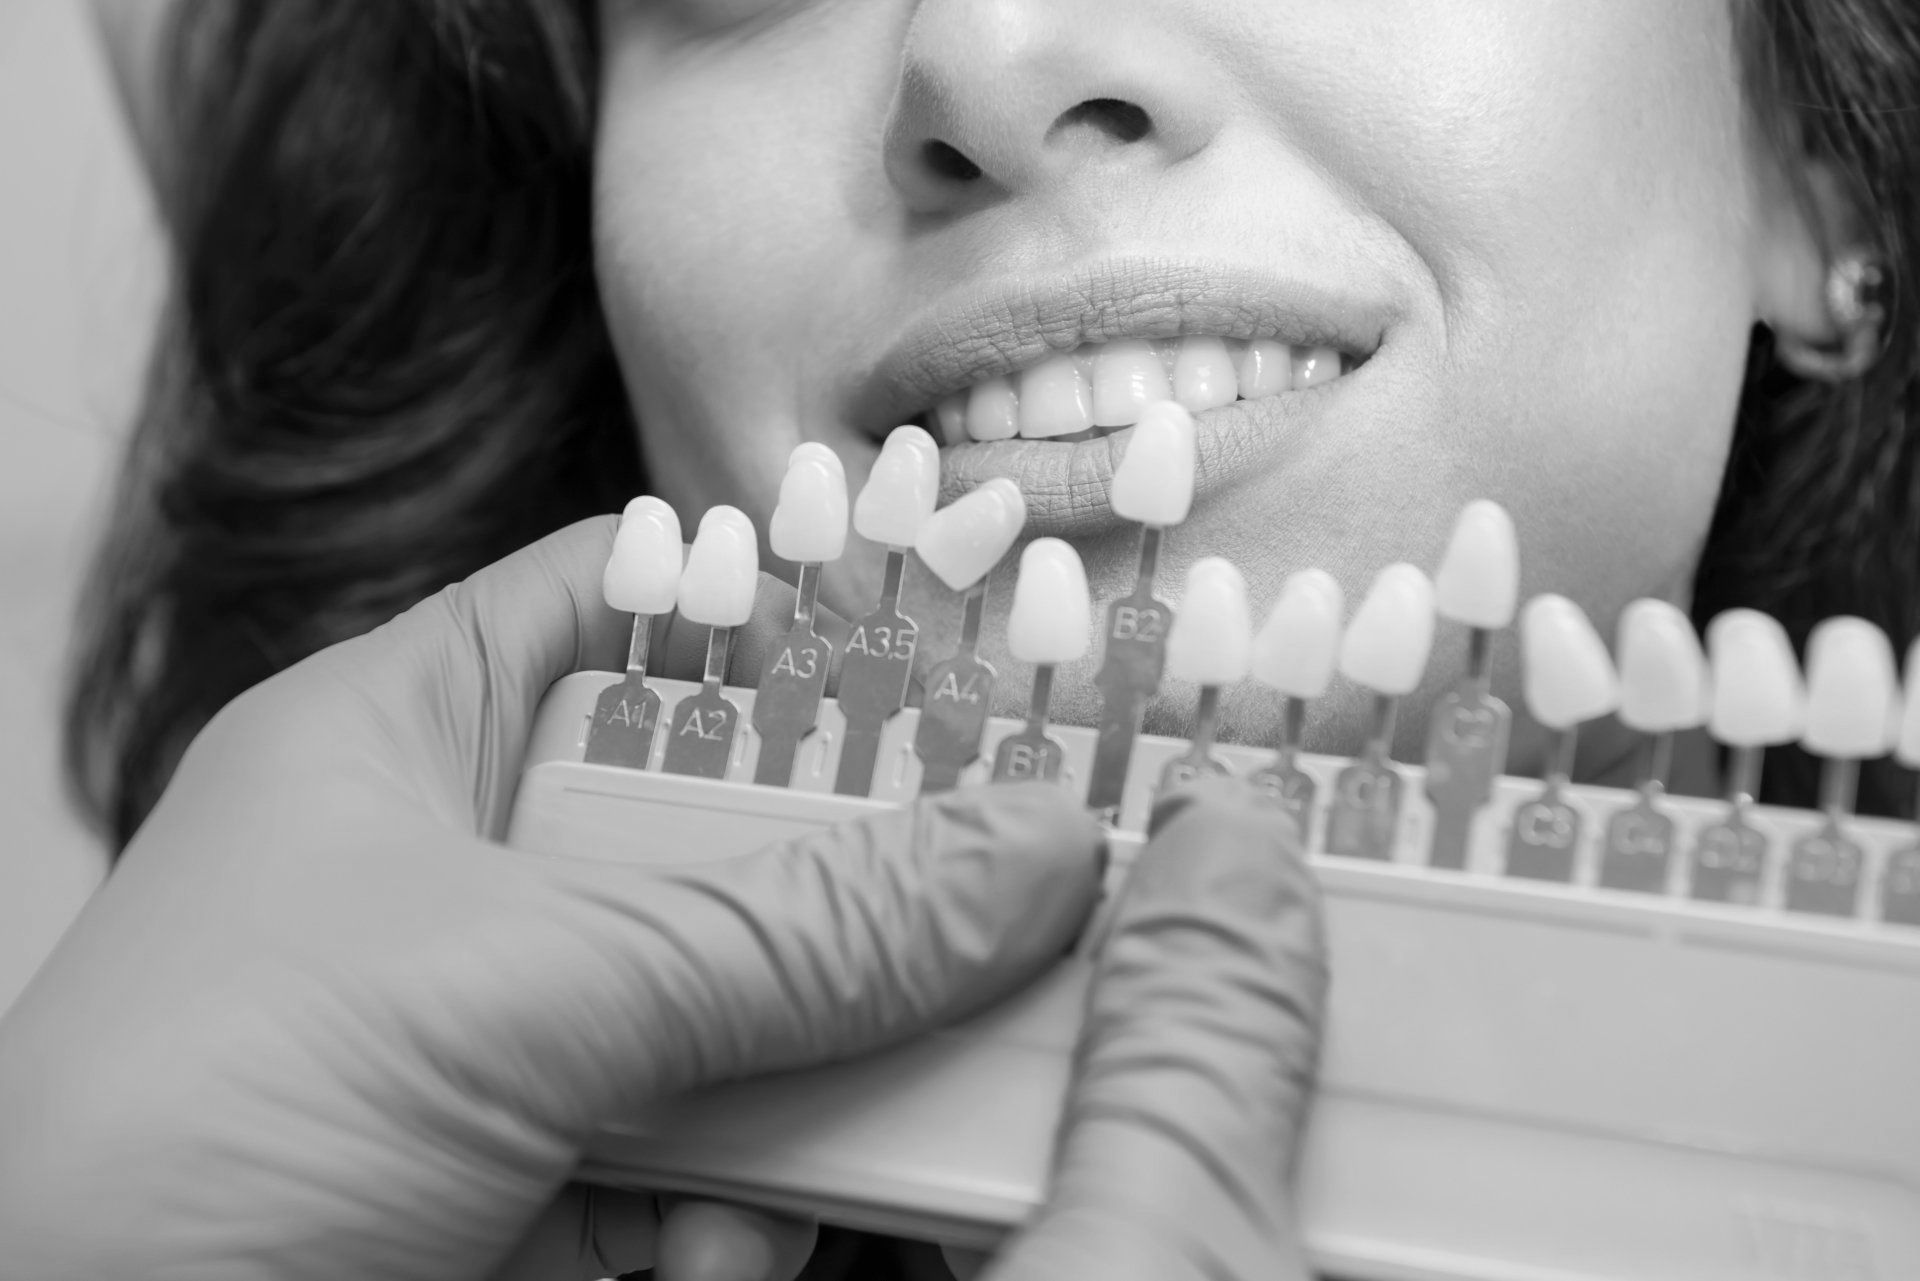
{"x": 723, "y": 568}
{"x": 901, "y": 490}
{"x": 1154, "y": 482}
{"x": 1479, "y": 579}
{"x": 993, "y": 410}
{"x": 1758, "y": 698}
{"x": 643, "y": 571}
{"x": 1853, "y": 696}
{"x": 819, "y": 453}
{"x": 1055, "y": 399}
{"x": 1265, "y": 368}
{"x": 809, "y": 523}
{"x": 1052, "y": 617}
{"x": 1203, "y": 376}
{"x": 966, "y": 538}
{"x": 1127, "y": 377}
{"x": 1568, "y": 676}
{"x": 1663, "y": 673}
{"x": 1313, "y": 366}
{"x": 1211, "y": 640}
{"x": 1295, "y": 652}
{"x": 1386, "y": 645}
{"x": 1907, "y": 746}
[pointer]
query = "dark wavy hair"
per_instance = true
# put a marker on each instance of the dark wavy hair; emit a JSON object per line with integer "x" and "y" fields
{"x": 386, "y": 364}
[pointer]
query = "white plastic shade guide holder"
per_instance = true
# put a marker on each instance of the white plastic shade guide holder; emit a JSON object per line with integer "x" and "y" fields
{"x": 642, "y": 578}
{"x": 1478, "y": 586}
{"x": 1209, "y": 645}
{"x": 1900, "y": 886}
{"x": 1758, "y": 701}
{"x": 961, "y": 544}
{"x": 1047, "y": 626}
{"x": 897, "y": 499}
{"x": 716, "y": 591}
{"x": 1568, "y": 679}
{"x": 1385, "y": 650}
{"x": 1294, "y": 654}
{"x": 809, "y": 528}
{"x": 1853, "y": 714}
{"x": 1663, "y": 690}
{"x": 1152, "y": 486}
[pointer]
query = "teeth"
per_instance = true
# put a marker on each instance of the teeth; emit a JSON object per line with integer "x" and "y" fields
{"x": 1313, "y": 366}
{"x": 1101, "y": 387}
{"x": 1127, "y": 377}
{"x": 993, "y": 411}
{"x": 1265, "y": 369}
{"x": 1203, "y": 376}
{"x": 1055, "y": 399}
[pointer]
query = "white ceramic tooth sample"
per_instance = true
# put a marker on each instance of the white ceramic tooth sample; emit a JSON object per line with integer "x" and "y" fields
{"x": 901, "y": 490}
{"x": 1055, "y": 399}
{"x": 810, "y": 522}
{"x": 1853, "y": 696}
{"x": 1052, "y": 617}
{"x": 1154, "y": 482}
{"x": 818, "y": 452}
{"x": 1203, "y": 376}
{"x": 1907, "y": 747}
{"x": 723, "y": 568}
{"x": 1313, "y": 366}
{"x": 1479, "y": 579}
{"x": 1265, "y": 368}
{"x": 1296, "y": 650}
{"x": 643, "y": 570}
{"x": 1663, "y": 672}
{"x": 967, "y": 537}
{"x": 1568, "y": 676}
{"x": 1127, "y": 377}
{"x": 1758, "y": 697}
{"x": 1387, "y": 643}
{"x": 1211, "y": 640}
{"x": 993, "y": 410}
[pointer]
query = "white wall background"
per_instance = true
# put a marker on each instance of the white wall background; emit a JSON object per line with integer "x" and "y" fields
{"x": 80, "y": 275}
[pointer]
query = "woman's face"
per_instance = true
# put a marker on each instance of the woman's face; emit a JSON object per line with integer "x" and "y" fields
{"x": 1531, "y": 224}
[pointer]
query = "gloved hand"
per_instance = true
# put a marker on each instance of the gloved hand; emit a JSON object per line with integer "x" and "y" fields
{"x": 316, "y": 1025}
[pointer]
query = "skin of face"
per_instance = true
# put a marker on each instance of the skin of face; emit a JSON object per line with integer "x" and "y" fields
{"x": 1548, "y": 223}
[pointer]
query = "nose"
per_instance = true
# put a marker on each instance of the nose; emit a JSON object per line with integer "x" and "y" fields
{"x": 1008, "y": 97}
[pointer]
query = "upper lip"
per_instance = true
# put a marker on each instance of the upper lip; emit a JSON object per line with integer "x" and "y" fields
{"x": 992, "y": 329}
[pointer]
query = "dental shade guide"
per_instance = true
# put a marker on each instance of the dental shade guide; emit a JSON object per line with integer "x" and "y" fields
{"x": 809, "y": 528}
{"x": 1209, "y": 645}
{"x": 1384, "y": 650}
{"x": 1477, "y": 584}
{"x": 642, "y": 578}
{"x": 961, "y": 543}
{"x": 1900, "y": 882}
{"x": 1046, "y": 627}
{"x": 1294, "y": 655}
{"x": 1663, "y": 690}
{"x": 899, "y": 495}
{"x": 716, "y": 591}
{"x": 1153, "y": 487}
{"x": 1758, "y": 702}
{"x": 1568, "y": 679}
{"x": 1853, "y": 714}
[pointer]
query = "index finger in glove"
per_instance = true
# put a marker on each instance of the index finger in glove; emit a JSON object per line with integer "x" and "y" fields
{"x": 1197, "y": 1059}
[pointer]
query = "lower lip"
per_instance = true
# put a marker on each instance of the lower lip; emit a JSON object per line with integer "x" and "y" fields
{"x": 1066, "y": 484}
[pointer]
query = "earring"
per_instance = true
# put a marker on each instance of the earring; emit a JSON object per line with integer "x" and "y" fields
{"x": 1856, "y": 298}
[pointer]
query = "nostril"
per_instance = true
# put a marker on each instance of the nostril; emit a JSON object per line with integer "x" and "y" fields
{"x": 1121, "y": 121}
{"x": 948, "y": 162}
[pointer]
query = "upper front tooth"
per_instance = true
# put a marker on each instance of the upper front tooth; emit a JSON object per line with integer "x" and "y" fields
{"x": 1127, "y": 377}
{"x": 993, "y": 411}
{"x": 951, "y": 415}
{"x": 1265, "y": 368}
{"x": 1313, "y": 366}
{"x": 1055, "y": 399}
{"x": 1203, "y": 375}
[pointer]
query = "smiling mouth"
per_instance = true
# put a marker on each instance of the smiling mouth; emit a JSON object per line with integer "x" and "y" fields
{"x": 1100, "y": 388}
